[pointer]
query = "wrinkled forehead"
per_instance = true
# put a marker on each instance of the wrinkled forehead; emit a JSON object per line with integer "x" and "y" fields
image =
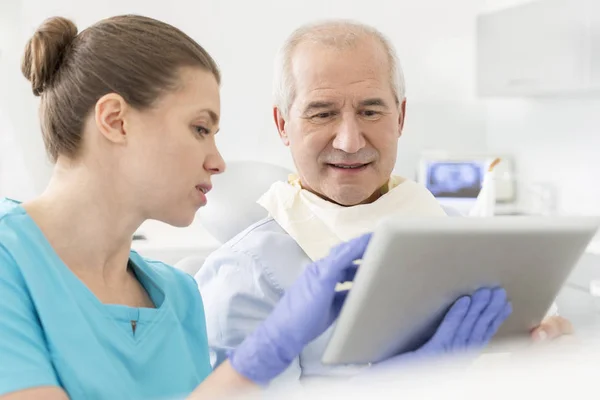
{"x": 362, "y": 65}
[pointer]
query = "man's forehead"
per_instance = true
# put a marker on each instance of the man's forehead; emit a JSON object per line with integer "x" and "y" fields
{"x": 322, "y": 67}
{"x": 371, "y": 90}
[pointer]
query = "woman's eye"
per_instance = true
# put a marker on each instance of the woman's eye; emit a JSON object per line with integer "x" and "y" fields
{"x": 202, "y": 130}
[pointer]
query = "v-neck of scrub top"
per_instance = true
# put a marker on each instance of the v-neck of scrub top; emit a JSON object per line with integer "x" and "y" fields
{"x": 137, "y": 322}
{"x": 145, "y": 319}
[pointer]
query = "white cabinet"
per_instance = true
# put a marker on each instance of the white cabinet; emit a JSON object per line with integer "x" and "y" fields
{"x": 546, "y": 47}
{"x": 595, "y": 42}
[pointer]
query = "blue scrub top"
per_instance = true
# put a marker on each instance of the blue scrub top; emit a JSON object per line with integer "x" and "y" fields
{"x": 55, "y": 332}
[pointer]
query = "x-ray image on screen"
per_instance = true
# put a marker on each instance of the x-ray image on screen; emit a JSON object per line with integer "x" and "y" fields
{"x": 455, "y": 179}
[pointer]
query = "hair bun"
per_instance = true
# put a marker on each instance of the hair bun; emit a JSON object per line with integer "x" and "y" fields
{"x": 45, "y": 51}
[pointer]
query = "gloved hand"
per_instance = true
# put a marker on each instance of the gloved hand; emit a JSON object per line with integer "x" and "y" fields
{"x": 470, "y": 323}
{"x": 468, "y": 326}
{"x": 306, "y": 310}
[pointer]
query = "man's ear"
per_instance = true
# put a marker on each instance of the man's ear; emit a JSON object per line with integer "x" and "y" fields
{"x": 280, "y": 123}
{"x": 402, "y": 117}
{"x": 109, "y": 115}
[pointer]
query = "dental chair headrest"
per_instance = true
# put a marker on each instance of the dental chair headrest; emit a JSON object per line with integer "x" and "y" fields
{"x": 232, "y": 203}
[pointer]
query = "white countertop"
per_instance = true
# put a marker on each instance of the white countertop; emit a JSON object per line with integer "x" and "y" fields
{"x": 594, "y": 246}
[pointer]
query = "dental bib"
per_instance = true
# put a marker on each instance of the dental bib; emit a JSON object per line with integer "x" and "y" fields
{"x": 317, "y": 225}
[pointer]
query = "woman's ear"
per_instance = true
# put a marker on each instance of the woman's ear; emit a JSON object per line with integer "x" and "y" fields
{"x": 109, "y": 116}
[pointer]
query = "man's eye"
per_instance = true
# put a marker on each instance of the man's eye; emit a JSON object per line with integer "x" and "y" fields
{"x": 322, "y": 115}
{"x": 370, "y": 113}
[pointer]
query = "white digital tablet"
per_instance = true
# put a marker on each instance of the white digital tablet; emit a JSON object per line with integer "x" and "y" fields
{"x": 415, "y": 268}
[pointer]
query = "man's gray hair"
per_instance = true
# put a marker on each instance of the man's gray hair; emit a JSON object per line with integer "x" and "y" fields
{"x": 338, "y": 33}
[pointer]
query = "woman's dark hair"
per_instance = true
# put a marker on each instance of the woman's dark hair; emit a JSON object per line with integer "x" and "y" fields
{"x": 136, "y": 57}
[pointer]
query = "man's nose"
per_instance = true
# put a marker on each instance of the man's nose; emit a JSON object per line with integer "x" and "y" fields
{"x": 349, "y": 137}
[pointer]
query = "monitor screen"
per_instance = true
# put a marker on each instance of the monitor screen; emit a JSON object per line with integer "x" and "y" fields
{"x": 455, "y": 179}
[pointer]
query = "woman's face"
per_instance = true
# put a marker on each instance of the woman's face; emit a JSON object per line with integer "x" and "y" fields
{"x": 171, "y": 152}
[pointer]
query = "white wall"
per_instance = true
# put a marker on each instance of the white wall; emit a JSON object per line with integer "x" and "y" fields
{"x": 15, "y": 180}
{"x": 493, "y": 5}
{"x": 23, "y": 164}
{"x": 434, "y": 39}
{"x": 555, "y": 140}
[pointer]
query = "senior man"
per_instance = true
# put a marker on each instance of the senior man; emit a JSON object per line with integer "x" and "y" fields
{"x": 340, "y": 108}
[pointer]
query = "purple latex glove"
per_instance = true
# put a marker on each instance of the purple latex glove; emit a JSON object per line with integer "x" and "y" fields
{"x": 468, "y": 326}
{"x": 470, "y": 323}
{"x": 306, "y": 310}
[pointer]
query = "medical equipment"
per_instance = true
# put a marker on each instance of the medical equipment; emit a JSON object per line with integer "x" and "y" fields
{"x": 456, "y": 179}
{"x": 414, "y": 267}
{"x": 486, "y": 200}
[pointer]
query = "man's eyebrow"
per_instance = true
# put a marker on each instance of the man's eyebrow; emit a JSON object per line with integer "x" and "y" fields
{"x": 318, "y": 105}
{"x": 376, "y": 101}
